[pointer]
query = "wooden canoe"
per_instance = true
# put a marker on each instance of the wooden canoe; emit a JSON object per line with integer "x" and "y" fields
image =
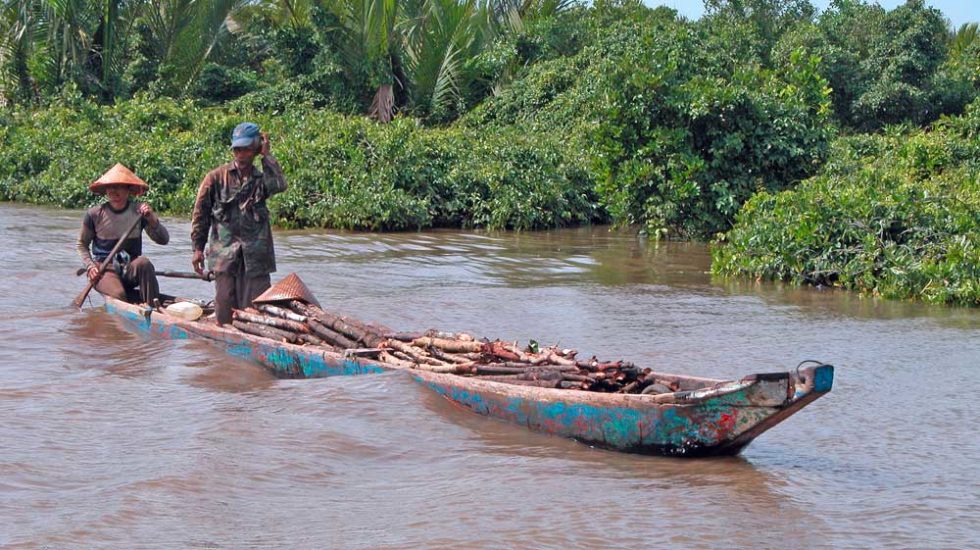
{"x": 706, "y": 418}
{"x": 283, "y": 359}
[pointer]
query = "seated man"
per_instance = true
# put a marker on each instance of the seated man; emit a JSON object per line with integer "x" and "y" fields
{"x": 105, "y": 224}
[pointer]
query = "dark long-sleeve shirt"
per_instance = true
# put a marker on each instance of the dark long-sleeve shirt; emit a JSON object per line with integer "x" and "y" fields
{"x": 231, "y": 213}
{"x": 102, "y": 227}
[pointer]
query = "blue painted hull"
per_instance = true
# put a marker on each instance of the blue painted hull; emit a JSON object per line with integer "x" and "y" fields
{"x": 285, "y": 360}
{"x": 714, "y": 418}
{"x": 709, "y": 422}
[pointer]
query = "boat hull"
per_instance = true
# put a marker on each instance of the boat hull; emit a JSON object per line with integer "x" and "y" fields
{"x": 284, "y": 360}
{"x": 718, "y": 418}
{"x": 712, "y": 422}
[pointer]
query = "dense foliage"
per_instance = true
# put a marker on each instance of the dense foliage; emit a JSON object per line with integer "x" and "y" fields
{"x": 678, "y": 137}
{"x": 343, "y": 172}
{"x": 896, "y": 215}
{"x": 527, "y": 114}
{"x": 376, "y": 56}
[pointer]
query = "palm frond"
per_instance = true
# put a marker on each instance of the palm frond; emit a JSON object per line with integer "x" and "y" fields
{"x": 961, "y": 40}
{"x": 443, "y": 38}
{"x": 191, "y": 29}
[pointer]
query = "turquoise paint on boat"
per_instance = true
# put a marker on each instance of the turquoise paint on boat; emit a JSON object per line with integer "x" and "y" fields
{"x": 714, "y": 418}
{"x": 718, "y": 419}
{"x": 243, "y": 351}
{"x": 284, "y": 360}
{"x": 823, "y": 378}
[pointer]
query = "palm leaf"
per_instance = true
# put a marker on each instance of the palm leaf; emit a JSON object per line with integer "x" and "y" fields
{"x": 186, "y": 33}
{"x": 960, "y": 41}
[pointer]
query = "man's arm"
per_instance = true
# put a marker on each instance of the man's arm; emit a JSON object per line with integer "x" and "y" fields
{"x": 151, "y": 223}
{"x": 85, "y": 237}
{"x": 201, "y": 221}
{"x": 275, "y": 180}
{"x": 201, "y": 218}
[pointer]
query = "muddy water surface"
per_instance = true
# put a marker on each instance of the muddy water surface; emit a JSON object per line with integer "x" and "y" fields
{"x": 112, "y": 440}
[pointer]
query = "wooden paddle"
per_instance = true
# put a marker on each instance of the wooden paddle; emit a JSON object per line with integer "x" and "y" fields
{"x": 80, "y": 299}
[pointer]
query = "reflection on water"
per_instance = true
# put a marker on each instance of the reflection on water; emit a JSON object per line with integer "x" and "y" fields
{"x": 114, "y": 439}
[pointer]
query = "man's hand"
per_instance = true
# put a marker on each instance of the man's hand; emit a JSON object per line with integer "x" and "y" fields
{"x": 147, "y": 212}
{"x": 265, "y": 146}
{"x": 198, "y": 262}
{"x": 93, "y": 271}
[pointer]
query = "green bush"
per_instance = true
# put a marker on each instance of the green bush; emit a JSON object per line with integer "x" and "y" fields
{"x": 345, "y": 172}
{"x": 218, "y": 83}
{"x": 676, "y": 136}
{"x": 892, "y": 215}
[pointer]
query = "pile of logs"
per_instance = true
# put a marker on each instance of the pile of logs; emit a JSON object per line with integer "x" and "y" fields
{"x": 299, "y": 323}
{"x": 549, "y": 367}
{"x": 447, "y": 352}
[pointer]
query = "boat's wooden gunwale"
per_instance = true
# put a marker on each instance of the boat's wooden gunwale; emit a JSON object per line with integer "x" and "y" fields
{"x": 718, "y": 418}
{"x": 685, "y": 398}
{"x": 214, "y": 332}
{"x": 285, "y": 360}
{"x": 713, "y": 422}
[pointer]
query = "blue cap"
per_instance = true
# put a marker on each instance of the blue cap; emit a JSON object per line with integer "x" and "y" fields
{"x": 245, "y": 134}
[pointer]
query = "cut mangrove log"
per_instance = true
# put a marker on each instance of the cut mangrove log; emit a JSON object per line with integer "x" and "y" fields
{"x": 631, "y": 387}
{"x": 418, "y": 355}
{"x": 578, "y": 377}
{"x": 362, "y": 352}
{"x": 449, "y": 345}
{"x": 265, "y": 331}
{"x": 445, "y": 369}
{"x": 331, "y": 337}
{"x": 499, "y": 369}
{"x": 282, "y": 324}
{"x": 433, "y": 333}
{"x": 386, "y": 357}
{"x": 313, "y": 340}
{"x": 404, "y": 357}
{"x": 535, "y": 373}
{"x": 403, "y": 336}
{"x": 553, "y": 357}
{"x": 447, "y": 357}
{"x": 282, "y": 313}
{"x": 354, "y": 330}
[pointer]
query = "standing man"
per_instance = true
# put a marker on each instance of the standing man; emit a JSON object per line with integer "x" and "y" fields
{"x": 103, "y": 227}
{"x": 231, "y": 206}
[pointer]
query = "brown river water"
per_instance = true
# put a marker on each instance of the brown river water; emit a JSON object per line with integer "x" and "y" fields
{"x": 109, "y": 439}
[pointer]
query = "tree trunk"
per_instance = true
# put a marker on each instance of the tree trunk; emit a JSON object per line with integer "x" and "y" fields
{"x": 383, "y": 105}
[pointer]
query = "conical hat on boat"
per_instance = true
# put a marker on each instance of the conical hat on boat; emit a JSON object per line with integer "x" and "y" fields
{"x": 119, "y": 175}
{"x": 291, "y": 287}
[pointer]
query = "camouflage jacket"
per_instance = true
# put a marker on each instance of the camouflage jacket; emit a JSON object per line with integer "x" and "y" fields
{"x": 233, "y": 210}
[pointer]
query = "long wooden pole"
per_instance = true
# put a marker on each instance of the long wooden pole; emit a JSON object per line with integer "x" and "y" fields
{"x": 208, "y": 276}
{"x": 80, "y": 299}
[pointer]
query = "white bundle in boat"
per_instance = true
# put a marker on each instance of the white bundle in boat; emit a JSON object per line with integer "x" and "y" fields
{"x": 185, "y": 310}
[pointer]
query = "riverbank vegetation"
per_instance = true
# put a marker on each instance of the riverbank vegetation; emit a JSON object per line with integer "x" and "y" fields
{"x": 390, "y": 114}
{"x": 895, "y": 215}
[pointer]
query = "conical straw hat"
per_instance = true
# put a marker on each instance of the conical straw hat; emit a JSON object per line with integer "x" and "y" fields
{"x": 119, "y": 175}
{"x": 289, "y": 288}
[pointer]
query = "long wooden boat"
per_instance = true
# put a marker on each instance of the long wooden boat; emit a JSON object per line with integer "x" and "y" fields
{"x": 703, "y": 417}
{"x": 706, "y": 418}
{"x": 283, "y": 359}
